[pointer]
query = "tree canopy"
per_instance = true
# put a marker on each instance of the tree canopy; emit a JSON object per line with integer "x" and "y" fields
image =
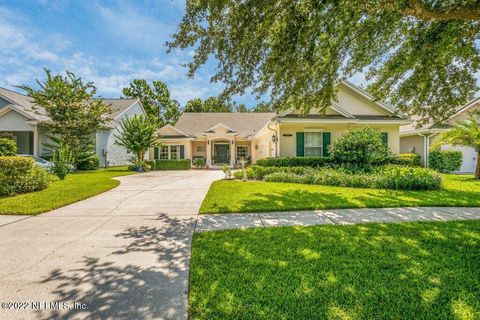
{"x": 155, "y": 99}
{"x": 75, "y": 115}
{"x": 414, "y": 53}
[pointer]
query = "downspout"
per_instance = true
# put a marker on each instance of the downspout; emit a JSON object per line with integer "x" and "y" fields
{"x": 274, "y": 137}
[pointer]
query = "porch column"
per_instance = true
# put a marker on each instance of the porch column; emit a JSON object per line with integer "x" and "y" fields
{"x": 232, "y": 152}
{"x": 209, "y": 152}
{"x": 35, "y": 140}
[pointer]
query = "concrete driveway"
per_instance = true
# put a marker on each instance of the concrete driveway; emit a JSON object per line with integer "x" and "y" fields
{"x": 123, "y": 254}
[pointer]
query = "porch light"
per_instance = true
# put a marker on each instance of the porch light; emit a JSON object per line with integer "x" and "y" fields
{"x": 233, "y": 143}
{"x": 208, "y": 142}
{"x": 274, "y": 138}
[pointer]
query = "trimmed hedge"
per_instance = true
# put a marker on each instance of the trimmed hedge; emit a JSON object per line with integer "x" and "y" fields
{"x": 8, "y": 147}
{"x": 91, "y": 163}
{"x": 313, "y": 162}
{"x": 385, "y": 177}
{"x": 21, "y": 175}
{"x": 406, "y": 159}
{"x": 445, "y": 161}
{"x": 183, "y": 164}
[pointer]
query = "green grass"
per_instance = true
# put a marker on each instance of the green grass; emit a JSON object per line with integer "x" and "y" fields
{"x": 371, "y": 271}
{"x": 236, "y": 196}
{"x": 75, "y": 187}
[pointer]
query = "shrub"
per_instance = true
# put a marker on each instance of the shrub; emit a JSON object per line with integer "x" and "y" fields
{"x": 238, "y": 174}
{"x": 20, "y": 175}
{"x": 151, "y": 164}
{"x": 183, "y": 164}
{"x": 361, "y": 148}
{"x": 406, "y": 159}
{"x": 386, "y": 177}
{"x": 62, "y": 159}
{"x": 91, "y": 163}
{"x": 199, "y": 162}
{"x": 8, "y": 147}
{"x": 313, "y": 162}
{"x": 445, "y": 161}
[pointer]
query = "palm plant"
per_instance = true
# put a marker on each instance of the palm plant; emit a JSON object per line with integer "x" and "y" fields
{"x": 465, "y": 133}
{"x": 137, "y": 135}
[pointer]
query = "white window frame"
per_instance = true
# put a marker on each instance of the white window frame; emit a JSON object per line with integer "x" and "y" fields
{"x": 161, "y": 151}
{"x": 247, "y": 149}
{"x": 305, "y": 146}
{"x": 176, "y": 152}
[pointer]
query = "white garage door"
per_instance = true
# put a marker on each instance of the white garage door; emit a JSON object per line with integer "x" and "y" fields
{"x": 469, "y": 159}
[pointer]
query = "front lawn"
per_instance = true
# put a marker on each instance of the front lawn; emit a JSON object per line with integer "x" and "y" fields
{"x": 236, "y": 196}
{"x": 370, "y": 271}
{"x": 75, "y": 187}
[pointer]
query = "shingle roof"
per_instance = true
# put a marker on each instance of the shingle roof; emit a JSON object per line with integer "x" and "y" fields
{"x": 245, "y": 124}
{"x": 39, "y": 114}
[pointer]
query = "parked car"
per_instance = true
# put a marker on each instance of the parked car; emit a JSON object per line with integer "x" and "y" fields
{"x": 47, "y": 165}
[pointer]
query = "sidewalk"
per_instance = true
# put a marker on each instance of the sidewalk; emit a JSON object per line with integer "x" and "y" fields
{"x": 214, "y": 222}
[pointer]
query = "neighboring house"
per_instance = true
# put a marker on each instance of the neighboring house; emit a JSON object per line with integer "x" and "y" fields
{"x": 224, "y": 138}
{"x": 22, "y": 122}
{"x": 419, "y": 139}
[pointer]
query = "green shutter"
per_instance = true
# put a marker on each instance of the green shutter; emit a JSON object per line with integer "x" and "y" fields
{"x": 182, "y": 151}
{"x": 300, "y": 144}
{"x": 156, "y": 153}
{"x": 327, "y": 137}
{"x": 385, "y": 138}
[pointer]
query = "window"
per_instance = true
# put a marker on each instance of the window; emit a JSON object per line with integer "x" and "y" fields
{"x": 174, "y": 152}
{"x": 242, "y": 152}
{"x": 313, "y": 144}
{"x": 163, "y": 152}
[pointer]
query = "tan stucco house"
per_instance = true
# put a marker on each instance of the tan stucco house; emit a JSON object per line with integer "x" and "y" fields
{"x": 224, "y": 138}
{"x": 415, "y": 138}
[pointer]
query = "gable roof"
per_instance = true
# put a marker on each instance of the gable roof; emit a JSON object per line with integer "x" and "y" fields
{"x": 245, "y": 124}
{"x": 414, "y": 127}
{"x": 23, "y": 104}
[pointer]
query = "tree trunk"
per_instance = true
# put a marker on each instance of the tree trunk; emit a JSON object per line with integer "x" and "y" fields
{"x": 477, "y": 170}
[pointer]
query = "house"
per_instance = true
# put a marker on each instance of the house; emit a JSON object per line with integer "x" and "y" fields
{"x": 225, "y": 138}
{"x": 415, "y": 138}
{"x": 24, "y": 124}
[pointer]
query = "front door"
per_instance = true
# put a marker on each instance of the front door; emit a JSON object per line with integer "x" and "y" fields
{"x": 222, "y": 153}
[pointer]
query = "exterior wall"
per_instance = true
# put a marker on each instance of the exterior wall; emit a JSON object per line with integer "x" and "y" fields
{"x": 353, "y": 103}
{"x": 263, "y": 146}
{"x": 288, "y": 135}
{"x": 410, "y": 143}
{"x": 464, "y": 115}
{"x": 14, "y": 121}
{"x": 196, "y": 144}
{"x": 118, "y": 155}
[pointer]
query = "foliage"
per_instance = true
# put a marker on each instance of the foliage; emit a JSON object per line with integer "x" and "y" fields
{"x": 62, "y": 159}
{"x": 137, "y": 135}
{"x": 226, "y": 170}
{"x": 421, "y": 270}
{"x": 211, "y": 104}
{"x": 445, "y": 161}
{"x": 313, "y": 162}
{"x": 387, "y": 177}
{"x": 253, "y": 196}
{"x": 406, "y": 159}
{"x": 74, "y": 112}
{"x": 21, "y": 175}
{"x": 155, "y": 99}
{"x": 151, "y": 164}
{"x": 8, "y": 147}
{"x": 76, "y": 186}
{"x": 466, "y": 133}
{"x": 415, "y": 53}
{"x": 360, "y": 148}
{"x": 142, "y": 166}
{"x": 183, "y": 164}
{"x": 90, "y": 163}
{"x": 263, "y": 107}
{"x": 199, "y": 162}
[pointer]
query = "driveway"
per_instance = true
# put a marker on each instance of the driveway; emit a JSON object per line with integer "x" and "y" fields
{"x": 123, "y": 254}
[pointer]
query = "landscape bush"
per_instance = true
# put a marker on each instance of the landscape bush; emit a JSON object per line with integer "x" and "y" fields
{"x": 91, "y": 163}
{"x": 183, "y": 164}
{"x": 8, "y": 147}
{"x": 383, "y": 177}
{"x": 445, "y": 161}
{"x": 406, "y": 159}
{"x": 21, "y": 175}
{"x": 360, "y": 148}
{"x": 314, "y": 162}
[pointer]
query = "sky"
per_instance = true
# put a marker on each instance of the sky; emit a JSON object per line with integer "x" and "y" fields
{"x": 107, "y": 42}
